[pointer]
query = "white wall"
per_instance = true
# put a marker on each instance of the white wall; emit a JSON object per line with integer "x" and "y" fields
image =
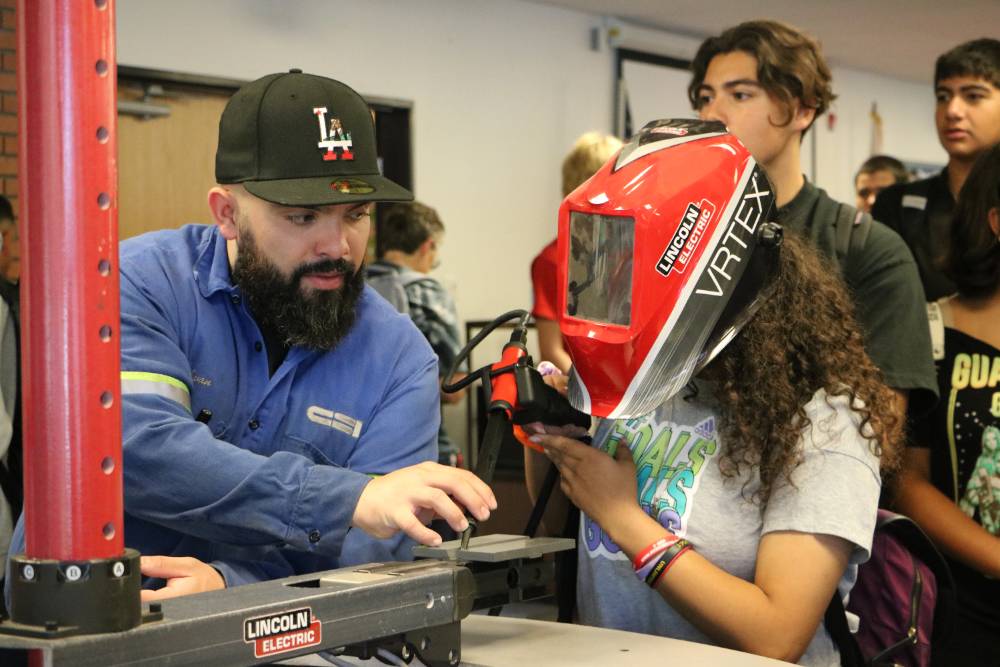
{"x": 907, "y": 111}
{"x": 500, "y": 90}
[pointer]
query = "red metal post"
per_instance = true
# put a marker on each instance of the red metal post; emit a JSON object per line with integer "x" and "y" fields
{"x": 70, "y": 307}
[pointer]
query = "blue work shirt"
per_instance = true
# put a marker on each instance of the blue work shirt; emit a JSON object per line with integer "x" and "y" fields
{"x": 268, "y": 486}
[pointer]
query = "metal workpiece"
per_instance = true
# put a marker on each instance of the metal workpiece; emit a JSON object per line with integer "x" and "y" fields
{"x": 496, "y": 548}
{"x": 506, "y": 568}
{"x": 411, "y": 604}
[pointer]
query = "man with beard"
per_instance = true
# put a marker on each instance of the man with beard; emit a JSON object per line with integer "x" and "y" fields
{"x": 279, "y": 417}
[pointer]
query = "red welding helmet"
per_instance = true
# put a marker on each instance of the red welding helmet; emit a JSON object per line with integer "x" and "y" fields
{"x": 665, "y": 253}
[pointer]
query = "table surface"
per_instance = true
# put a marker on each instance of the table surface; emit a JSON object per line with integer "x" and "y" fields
{"x": 495, "y": 641}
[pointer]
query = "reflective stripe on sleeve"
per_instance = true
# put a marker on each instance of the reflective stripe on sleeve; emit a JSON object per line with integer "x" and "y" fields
{"x": 134, "y": 382}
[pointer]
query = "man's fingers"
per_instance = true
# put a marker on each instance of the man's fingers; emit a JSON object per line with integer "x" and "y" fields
{"x": 162, "y": 567}
{"x": 472, "y": 492}
{"x": 412, "y": 526}
{"x": 471, "y": 497}
{"x": 398, "y": 500}
{"x": 445, "y": 508}
{"x": 174, "y": 588}
{"x": 481, "y": 488}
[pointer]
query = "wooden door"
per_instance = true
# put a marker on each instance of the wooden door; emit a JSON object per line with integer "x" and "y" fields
{"x": 166, "y": 164}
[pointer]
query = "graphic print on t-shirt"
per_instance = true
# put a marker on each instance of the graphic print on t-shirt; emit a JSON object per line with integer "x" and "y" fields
{"x": 669, "y": 460}
{"x": 982, "y": 494}
{"x": 973, "y": 415}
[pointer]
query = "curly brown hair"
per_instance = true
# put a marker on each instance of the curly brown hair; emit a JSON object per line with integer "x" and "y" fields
{"x": 804, "y": 338}
{"x": 790, "y": 65}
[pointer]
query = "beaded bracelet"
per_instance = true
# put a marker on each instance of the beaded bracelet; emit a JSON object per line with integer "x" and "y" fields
{"x": 666, "y": 561}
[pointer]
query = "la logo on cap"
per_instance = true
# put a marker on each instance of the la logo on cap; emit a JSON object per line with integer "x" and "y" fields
{"x": 335, "y": 137}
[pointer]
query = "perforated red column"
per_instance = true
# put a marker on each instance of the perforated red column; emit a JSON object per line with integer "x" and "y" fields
{"x": 69, "y": 285}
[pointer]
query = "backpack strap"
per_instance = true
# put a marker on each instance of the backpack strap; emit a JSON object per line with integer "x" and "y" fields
{"x": 851, "y": 230}
{"x": 835, "y": 621}
{"x": 917, "y": 542}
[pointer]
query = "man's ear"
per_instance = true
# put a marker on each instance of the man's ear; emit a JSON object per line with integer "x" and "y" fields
{"x": 994, "y": 217}
{"x": 222, "y": 202}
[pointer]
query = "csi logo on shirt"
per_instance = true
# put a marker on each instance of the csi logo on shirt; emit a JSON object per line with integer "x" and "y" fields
{"x": 335, "y": 420}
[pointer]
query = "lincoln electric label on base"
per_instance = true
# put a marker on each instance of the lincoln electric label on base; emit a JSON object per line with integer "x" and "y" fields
{"x": 278, "y": 633}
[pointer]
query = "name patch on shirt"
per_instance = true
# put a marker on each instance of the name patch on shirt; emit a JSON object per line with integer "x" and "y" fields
{"x": 335, "y": 420}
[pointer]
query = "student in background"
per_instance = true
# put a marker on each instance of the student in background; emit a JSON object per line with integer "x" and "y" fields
{"x": 768, "y": 82}
{"x": 967, "y": 117}
{"x": 876, "y": 174}
{"x": 11, "y": 494}
{"x": 10, "y": 258}
{"x": 951, "y": 477}
{"x": 588, "y": 154}
{"x": 11, "y": 489}
{"x": 410, "y": 236}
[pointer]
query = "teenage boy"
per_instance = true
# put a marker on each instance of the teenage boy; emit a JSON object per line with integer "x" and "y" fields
{"x": 768, "y": 83}
{"x": 967, "y": 117}
{"x": 410, "y": 236}
{"x": 876, "y": 174}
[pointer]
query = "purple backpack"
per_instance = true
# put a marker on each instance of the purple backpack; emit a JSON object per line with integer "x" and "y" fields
{"x": 904, "y": 595}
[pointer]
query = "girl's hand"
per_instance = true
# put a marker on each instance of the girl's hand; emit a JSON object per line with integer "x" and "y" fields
{"x": 602, "y": 486}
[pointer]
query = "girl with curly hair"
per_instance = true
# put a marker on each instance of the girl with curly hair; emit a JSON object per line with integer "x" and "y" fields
{"x": 768, "y": 466}
{"x": 733, "y": 484}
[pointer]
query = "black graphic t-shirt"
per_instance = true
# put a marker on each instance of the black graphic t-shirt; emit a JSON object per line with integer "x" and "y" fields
{"x": 963, "y": 434}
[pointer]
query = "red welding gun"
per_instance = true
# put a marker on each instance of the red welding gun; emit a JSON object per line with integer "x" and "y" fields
{"x": 515, "y": 394}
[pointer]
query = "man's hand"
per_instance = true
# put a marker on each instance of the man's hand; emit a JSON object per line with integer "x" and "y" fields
{"x": 408, "y": 499}
{"x": 184, "y": 576}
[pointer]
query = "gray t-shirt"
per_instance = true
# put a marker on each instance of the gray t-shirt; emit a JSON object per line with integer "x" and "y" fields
{"x": 676, "y": 450}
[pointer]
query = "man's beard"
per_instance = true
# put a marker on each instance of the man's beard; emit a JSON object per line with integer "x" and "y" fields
{"x": 318, "y": 319}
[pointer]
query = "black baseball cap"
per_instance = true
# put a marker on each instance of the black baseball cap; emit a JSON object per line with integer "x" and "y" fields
{"x": 302, "y": 140}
